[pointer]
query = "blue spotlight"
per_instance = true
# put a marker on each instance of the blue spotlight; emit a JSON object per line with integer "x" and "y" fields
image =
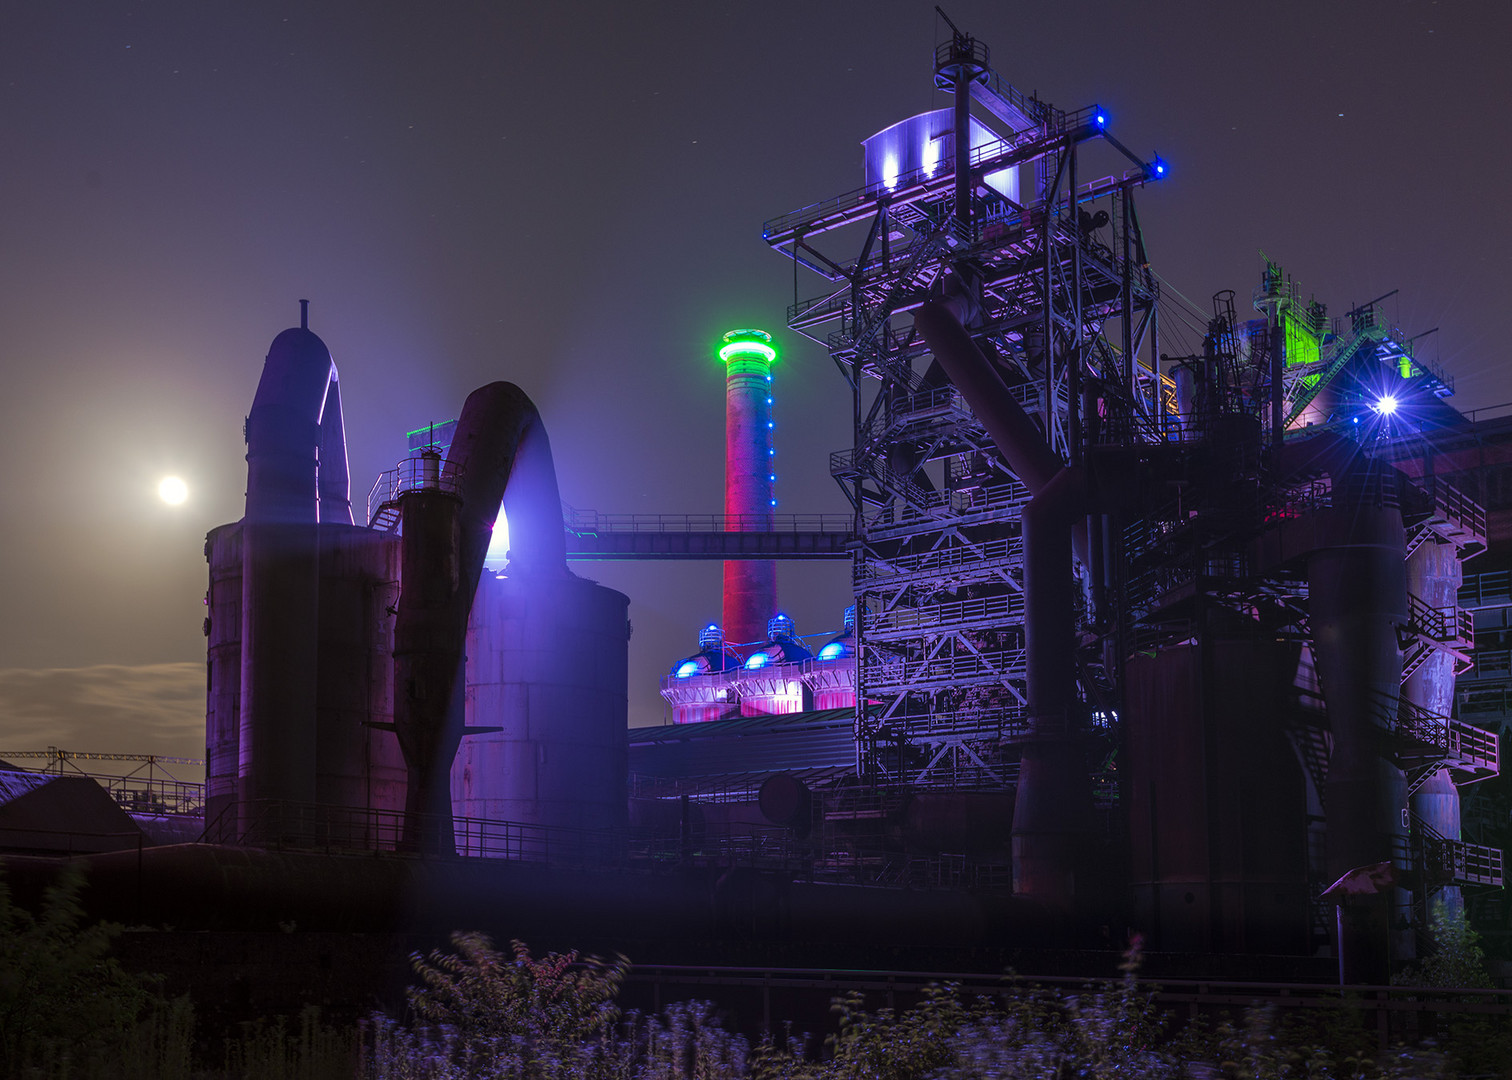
{"x": 1099, "y": 117}
{"x": 1386, "y": 405}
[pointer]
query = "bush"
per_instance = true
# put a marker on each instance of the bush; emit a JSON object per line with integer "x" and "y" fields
{"x": 67, "y": 1008}
{"x": 485, "y": 1014}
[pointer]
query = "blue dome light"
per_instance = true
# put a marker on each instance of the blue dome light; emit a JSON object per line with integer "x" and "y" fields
{"x": 757, "y": 660}
{"x": 686, "y": 668}
{"x": 832, "y": 651}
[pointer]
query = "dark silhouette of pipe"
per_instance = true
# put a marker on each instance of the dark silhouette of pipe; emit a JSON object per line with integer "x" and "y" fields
{"x": 294, "y": 425}
{"x": 1357, "y": 596}
{"x": 499, "y": 455}
{"x": 1052, "y": 807}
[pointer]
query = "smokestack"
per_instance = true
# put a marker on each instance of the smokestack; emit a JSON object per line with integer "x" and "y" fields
{"x": 750, "y": 585}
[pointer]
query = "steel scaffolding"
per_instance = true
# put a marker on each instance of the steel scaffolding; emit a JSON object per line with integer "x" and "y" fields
{"x": 1000, "y": 209}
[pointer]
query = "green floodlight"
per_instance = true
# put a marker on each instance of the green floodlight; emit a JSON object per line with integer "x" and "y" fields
{"x": 747, "y": 345}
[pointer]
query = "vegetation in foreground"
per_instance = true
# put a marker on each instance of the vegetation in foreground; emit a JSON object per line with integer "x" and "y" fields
{"x": 68, "y": 1010}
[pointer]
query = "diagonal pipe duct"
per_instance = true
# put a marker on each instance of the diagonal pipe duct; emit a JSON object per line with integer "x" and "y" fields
{"x": 499, "y": 455}
{"x": 1052, "y": 807}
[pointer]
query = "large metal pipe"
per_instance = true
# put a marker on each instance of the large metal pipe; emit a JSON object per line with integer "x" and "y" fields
{"x": 280, "y": 582}
{"x": 1053, "y": 802}
{"x": 1357, "y": 598}
{"x": 1016, "y": 436}
{"x": 499, "y": 455}
{"x": 1052, "y": 808}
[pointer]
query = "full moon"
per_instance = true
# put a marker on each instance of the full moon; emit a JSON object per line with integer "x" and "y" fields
{"x": 172, "y": 490}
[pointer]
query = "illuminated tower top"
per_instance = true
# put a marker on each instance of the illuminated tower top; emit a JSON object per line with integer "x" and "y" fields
{"x": 742, "y": 347}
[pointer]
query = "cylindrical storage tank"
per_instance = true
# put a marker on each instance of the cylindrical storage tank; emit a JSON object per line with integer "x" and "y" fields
{"x": 547, "y": 663}
{"x": 223, "y": 629}
{"x": 356, "y": 764}
{"x": 280, "y": 618}
{"x": 1357, "y": 596}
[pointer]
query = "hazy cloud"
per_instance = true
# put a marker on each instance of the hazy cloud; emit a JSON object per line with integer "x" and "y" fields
{"x": 107, "y": 708}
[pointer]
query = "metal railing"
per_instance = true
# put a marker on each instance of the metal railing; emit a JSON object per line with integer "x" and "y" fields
{"x": 1392, "y": 1011}
{"x": 988, "y": 611}
{"x": 1464, "y": 745}
{"x": 1490, "y": 664}
{"x": 987, "y": 153}
{"x": 1485, "y": 701}
{"x": 885, "y": 674}
{"x": 987, "y": 722}
{"x": 170, "y": 798}
{"x": 352, "y": 830}
{"x": 1493, "y": 588}
{"x": 411, "y": 474}
{"x": 1455, "y": 860}
{"x": 591, "y": 521}
{"x": 1457, "y": 507}
{"x": 133, "y": 791}
{"x": 988, "y": 557}
{"x": 1445, "y": 625}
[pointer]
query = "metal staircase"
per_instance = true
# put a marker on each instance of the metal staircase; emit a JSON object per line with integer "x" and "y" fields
{"x": 1430, "y": 629}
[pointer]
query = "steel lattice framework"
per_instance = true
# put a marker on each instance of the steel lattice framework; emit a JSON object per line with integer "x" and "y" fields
{"x": 1065, "y": 301}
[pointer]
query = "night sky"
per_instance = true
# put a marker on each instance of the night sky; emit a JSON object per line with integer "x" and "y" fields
{"x": 570, "y": 196}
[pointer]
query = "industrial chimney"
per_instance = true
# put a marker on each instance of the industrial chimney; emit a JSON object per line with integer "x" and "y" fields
{"x": 750, "y": 585}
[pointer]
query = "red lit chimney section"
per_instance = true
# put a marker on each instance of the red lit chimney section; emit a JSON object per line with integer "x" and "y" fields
{"x": 750, "y": 585}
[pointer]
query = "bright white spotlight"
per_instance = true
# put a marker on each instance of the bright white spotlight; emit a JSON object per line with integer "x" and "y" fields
{"x": 497, "y": 556}
{"x": 1387, "y": 405}
{"x": 172, "y": 490}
